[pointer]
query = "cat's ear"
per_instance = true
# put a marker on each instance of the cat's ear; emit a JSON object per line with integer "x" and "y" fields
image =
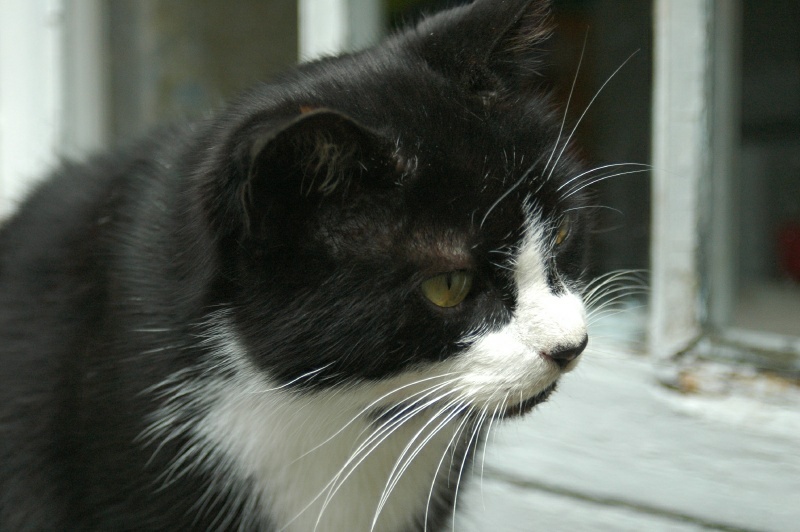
{"x": 318, "y": 156}
{"x": 489, "y": 43}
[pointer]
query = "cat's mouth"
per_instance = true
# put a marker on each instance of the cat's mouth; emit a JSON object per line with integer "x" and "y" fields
{"x": 386, "y": 414}
{"x": 522, "y": 408}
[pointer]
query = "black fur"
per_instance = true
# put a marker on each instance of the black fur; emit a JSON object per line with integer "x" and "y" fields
{"x": 311, "y": 207}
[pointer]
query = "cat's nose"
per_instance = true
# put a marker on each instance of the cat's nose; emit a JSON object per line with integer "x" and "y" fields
{"x": 563, "y": 355}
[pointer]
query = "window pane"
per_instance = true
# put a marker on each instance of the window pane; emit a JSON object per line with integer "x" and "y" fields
{"x": 768, "y": 192}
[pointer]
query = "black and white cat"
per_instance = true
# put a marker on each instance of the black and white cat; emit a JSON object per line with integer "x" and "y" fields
{"x": 304, "y": 313}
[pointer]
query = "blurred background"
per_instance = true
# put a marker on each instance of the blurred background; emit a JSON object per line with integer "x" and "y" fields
{"x": 686, "y": 415}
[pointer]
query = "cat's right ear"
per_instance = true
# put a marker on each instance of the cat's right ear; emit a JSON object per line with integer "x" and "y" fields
{"x": 290, "y": 169}
{"x": 488, "y": 44}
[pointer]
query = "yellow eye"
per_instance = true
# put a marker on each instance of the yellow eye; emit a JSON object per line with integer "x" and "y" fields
{"x": 447, "y": 290}
{"x": 563, "y": 231}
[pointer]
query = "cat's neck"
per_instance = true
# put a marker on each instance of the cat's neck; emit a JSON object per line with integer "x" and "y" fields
{"x": 324, "y": 461}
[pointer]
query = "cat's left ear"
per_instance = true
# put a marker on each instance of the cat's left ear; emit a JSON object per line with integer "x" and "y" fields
{"x": 318, "y": 156}
{"x": 488, "y": 43}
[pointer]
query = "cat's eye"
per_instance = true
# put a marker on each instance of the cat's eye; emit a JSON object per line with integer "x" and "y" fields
{"x": 563, "y": 231}
{"x": 449, "y": 289}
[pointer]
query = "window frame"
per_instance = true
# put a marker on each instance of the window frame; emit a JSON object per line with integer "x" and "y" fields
{"x": 52, "y": 89}
{"x": 696, "y": 142}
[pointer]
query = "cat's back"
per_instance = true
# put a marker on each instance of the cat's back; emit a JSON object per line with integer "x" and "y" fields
{"x": 56, "y": 249}
{"x": 55, "y": 255}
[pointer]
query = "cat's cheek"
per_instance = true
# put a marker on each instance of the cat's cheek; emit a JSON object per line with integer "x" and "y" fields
{"x": 513, "y": 364}
{"x": 552, "y": 324}
{"x": 500, "y": 370}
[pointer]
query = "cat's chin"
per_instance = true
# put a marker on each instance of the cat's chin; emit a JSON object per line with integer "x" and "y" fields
{"x": 520, "y": 409}
{"x": 387, "y": 414}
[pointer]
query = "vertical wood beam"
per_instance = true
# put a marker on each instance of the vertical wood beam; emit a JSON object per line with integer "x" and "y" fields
{"x": 681, "y": 161}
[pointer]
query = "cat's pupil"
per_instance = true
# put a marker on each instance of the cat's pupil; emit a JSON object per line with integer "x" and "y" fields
{"x": 448, "y": 289}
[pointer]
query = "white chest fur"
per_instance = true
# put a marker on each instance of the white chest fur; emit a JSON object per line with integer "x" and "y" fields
{"x": 317, "y": 463}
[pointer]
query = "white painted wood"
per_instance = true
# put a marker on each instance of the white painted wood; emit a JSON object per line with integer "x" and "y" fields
{"x": 52, "y": 101}
{"x": 329, "y": 27}
{"x": 31, "y": 83}
{"x": 323, "y": 28}
{"x": 681, "y": 161}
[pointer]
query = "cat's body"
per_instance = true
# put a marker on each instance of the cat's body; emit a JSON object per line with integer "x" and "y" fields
{"x": 305, "y": 312}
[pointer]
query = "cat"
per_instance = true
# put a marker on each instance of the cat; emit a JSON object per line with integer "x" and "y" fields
{"x": 305, "y": 312}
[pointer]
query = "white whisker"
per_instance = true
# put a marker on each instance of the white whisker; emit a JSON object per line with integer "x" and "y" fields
{"x": 569, "y": 101}
{"x": 367, "y": 448}
{"x": 398, "y": 469}
{"x": 594, "y": 181}
{"x": 597, "y": 169}
{"x": 474, "y": 438}
{"x": 456, "y": 434}
{"x": 580, "y": 119}
{"x": 370, "y": 407}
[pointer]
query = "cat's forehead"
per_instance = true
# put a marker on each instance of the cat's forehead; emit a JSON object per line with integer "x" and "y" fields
{"x": 441, "y": 249}
{"x": 393, "y": 229}
{"x": 433, "y": 223}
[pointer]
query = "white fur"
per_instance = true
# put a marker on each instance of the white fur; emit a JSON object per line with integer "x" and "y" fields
{"x": 297, "y": 448}
{"x": 508, "y": 364}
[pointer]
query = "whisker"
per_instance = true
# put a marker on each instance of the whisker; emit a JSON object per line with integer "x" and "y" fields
{"x": 301, "y": 378}
{"x": 456, "y": 434}
{"x": 569, "y": 101}
{"x": 371, "y": 407}
{"x": 396, "y": 473}
{"x": 594, "y": 181}
{"x": 337, "y": 482}
{"x": 609, "y": 313}
{"x": 615, "y": 276}
{"x": 474, "y": 438}
{"x": 383, "y": 432}
{"x": 580, "y": 119}
{"x": 593, "y": 207}
{"x": 613, "y": 290}
{"x": 597, "y": 169}
{"x": 495, "y": 416}
{"x": 511, "y": 189}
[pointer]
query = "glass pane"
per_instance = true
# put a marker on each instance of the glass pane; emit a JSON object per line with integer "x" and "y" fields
{"x": 172, "y": 59}
{"x": 768, "y": 195}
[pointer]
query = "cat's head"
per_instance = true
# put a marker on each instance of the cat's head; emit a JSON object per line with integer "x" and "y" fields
{"x": 406, "y": 214}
